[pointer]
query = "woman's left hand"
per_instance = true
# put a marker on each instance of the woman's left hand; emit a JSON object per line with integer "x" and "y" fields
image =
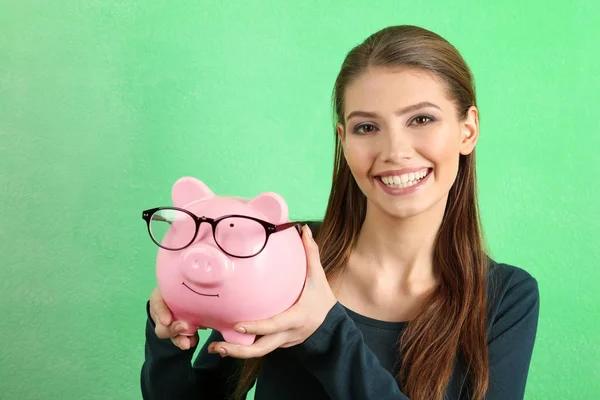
{"x": 295, "y": 325}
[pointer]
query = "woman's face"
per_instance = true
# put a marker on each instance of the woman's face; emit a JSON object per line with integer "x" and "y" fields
{"x": 402, "y": 139}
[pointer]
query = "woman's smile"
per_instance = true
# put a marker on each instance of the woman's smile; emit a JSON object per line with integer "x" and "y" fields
{"x": 404, "y": 181}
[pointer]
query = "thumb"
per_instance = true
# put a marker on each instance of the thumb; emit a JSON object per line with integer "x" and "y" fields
{"x": 312, "y": 251}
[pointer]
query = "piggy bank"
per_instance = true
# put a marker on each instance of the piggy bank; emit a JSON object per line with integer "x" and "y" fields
{"x": 224, "y": 260}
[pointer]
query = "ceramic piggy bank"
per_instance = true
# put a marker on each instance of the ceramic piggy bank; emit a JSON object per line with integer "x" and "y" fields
{"x": 224, "y": 260}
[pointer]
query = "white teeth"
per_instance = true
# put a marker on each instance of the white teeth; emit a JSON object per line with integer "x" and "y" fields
{"x": 404, "y": 180}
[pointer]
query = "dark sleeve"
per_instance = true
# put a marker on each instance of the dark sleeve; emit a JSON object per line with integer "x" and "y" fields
{"x": 511, "y": 340}
{"x": 338, "y": 357}
{"x": 168, "y": 373}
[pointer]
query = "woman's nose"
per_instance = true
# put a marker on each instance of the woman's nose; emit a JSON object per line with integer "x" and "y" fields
{"x": 395, "y": 146}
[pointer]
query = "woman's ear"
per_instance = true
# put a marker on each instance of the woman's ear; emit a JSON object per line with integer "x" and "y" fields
{"x": 469, "y": 131}
{"x": 340, "y": 131}
{"x": 342, "y": 135}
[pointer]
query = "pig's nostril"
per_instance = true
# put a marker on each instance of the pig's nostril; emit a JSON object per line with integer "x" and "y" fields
{"x": 204, "y": 265}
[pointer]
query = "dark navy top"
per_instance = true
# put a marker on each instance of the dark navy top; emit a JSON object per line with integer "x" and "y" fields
{"x": 353, "y": 357}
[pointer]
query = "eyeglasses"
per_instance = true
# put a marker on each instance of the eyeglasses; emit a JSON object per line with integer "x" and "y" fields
{"x": 240, "y": 236}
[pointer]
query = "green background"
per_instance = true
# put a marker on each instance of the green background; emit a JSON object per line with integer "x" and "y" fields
{"x": 104, "y": 104}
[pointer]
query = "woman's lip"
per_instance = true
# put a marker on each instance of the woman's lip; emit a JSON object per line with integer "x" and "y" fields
{"x": 403, "y": 191}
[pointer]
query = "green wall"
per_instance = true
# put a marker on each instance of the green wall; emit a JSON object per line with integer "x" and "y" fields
{"x": 104, "y": 104}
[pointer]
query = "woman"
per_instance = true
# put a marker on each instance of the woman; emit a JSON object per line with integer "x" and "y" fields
{"x": 401, "y": 301}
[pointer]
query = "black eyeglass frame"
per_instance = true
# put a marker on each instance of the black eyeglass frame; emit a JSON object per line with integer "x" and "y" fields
{"x": 269, "y": 228}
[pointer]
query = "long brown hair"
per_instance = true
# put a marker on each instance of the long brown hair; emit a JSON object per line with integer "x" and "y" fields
{"x": 453, "y": 319}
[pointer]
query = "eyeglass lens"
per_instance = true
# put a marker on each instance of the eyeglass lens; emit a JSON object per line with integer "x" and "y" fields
{"x": 241, "y": 237}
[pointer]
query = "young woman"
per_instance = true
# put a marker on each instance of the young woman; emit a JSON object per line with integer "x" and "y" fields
{"x": 401, "y": 300}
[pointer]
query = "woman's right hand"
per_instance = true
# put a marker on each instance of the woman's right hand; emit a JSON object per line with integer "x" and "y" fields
{"x": 166, "y": 328}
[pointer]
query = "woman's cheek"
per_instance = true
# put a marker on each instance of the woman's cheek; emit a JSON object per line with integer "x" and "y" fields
{"x": 442, "y": 150}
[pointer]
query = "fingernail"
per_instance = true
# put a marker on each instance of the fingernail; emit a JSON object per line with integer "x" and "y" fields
{"x": 223, "y": 352}
{"x": 240, "y": 329}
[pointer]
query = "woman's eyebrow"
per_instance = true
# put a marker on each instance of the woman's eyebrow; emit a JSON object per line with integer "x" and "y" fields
{"x": 402, "y": 111}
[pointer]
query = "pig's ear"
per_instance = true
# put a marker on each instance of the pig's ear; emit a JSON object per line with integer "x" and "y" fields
{"x": 188, "y": 190}
{"x": 272, "y": 206}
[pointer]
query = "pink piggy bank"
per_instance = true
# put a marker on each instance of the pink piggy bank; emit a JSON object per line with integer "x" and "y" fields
{"x": 224, "y": 260}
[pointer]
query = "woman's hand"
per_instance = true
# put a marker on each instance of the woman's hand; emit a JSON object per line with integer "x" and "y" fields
{"x": 295, "y": 325}
{"x": 166, "y": 328}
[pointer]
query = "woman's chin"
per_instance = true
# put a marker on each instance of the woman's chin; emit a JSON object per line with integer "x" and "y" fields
{"x": 400, "y": 210}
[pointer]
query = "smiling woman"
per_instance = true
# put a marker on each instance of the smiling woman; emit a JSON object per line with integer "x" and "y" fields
{"x": 416, "y": 126}
{"x": 401, "y": 300}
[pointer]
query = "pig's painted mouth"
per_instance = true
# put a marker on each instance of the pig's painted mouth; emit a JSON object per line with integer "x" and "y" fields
{"x": 201, "y": 294}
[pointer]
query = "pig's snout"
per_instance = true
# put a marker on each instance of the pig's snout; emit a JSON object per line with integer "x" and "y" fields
{"x": 205, "y": 266}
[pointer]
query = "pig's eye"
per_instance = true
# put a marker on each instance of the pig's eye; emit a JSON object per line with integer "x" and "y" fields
{"x": 242, "y": 237}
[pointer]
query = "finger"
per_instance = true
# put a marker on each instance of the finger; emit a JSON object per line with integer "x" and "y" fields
{"x": 185, "y": 342}
{"x": 313, "y": 258}
{"x": 279, "y": 323}
{"x": 166, "y": 332}
{"x": 159, "y": 309}
{"x": 194, "y": 340}
{"x": 262, "y": 346}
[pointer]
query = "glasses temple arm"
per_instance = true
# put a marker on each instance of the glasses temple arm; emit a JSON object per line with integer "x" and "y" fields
{"x": 282, "y": 227}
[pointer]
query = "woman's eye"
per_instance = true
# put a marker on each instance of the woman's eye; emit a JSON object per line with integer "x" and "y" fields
{"x": 364, "y": 128}
{"x": 421, "y": 120}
